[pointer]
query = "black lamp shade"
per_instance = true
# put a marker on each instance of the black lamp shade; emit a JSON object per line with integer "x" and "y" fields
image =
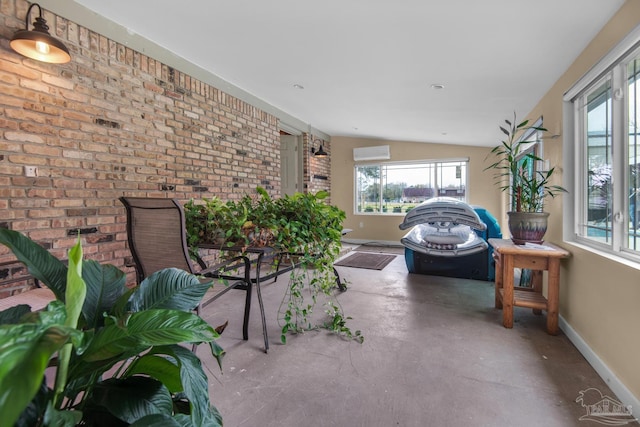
{"x": 320, "y": 152}
{"x": 38, "y": 44}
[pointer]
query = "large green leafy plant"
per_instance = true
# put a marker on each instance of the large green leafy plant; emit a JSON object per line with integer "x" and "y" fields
{"x": 303, "y": 227}
{"x": 103, "y": 354}
{"x": 299, "y": 223}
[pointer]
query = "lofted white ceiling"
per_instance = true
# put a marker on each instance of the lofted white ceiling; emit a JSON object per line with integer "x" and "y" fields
{"x": 366, "y": 67}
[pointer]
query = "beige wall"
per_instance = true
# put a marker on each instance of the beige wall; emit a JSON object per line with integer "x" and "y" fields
{"x": 385, "y": 227}
{"x": 600, "y": 298}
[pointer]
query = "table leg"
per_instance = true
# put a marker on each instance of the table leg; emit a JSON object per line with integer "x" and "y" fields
{"x": 259, "y": 294}
{"x": 536, "y": 283}
{"x": 264, "y": 321}
{"x": 498, "y": 280}
{"x": 507, "y": 283}
{"x": 341, "y": 285}
{"x": 553, "y": 295}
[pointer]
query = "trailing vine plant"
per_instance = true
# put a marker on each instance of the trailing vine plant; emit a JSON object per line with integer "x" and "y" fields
{"x": 303, "y": 227}
{"x": 308, "y": 285}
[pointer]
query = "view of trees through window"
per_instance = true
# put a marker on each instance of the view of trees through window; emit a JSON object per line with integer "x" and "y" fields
{"x": 633, "y": 155}
{"x": 599, "y": 156}
{"x": 395, "y": 188}
{"x": 604, "y": 215}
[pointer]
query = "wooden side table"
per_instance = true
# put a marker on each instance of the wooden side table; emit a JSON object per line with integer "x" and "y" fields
{"x": 537, "y": 258}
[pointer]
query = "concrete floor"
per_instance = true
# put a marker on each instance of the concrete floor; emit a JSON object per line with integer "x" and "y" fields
{"x": 435, "y": 354}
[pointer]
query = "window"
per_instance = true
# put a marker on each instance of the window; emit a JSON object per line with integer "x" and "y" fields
{"x": 605, "y": 117}
{"x": 597, "y": 216}
{"x": 395, "y": 188}
{"x": 531, "y": 141}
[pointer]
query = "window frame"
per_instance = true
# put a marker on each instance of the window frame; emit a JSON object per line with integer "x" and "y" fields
{"x": 535, "y": 146}
{"x": 425, "y": 162}
{"x": 612, "y": 66}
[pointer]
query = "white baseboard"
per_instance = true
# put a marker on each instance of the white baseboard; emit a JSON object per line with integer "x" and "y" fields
{"x": 393, "y": 243}
{"x": 621, "y": 391}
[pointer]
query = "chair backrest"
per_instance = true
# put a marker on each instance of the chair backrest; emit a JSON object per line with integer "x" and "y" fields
{"x": 157, "y": 235}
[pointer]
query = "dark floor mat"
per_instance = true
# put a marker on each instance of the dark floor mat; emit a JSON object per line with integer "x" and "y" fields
{"x": 371, "y": 261}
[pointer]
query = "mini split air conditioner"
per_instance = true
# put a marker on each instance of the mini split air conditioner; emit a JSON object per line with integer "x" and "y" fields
{"x": 380, "y": 152}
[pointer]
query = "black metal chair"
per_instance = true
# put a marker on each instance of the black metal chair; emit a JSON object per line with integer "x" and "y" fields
{"x": 157, "y": 239}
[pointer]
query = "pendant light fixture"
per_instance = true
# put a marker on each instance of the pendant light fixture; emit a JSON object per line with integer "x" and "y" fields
{"x": 320, "y": 151}
{"x": 38, "y": 44}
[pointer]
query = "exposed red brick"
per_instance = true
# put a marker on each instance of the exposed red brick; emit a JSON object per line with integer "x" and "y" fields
{"x": 172, "y": 128}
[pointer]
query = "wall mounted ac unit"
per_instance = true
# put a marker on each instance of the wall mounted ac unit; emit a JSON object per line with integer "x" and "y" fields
{"x": 380, "y": 152}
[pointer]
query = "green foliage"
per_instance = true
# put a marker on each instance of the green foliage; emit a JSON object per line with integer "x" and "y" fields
{"x": 295, "y": 224}
{"x": 302, "y": 226}
{"x": 513, "y": 169}
{"x": 114, "y": 352}
{"x": 338, "y": 323}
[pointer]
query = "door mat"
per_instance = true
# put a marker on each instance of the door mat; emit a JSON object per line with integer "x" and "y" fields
{"x": 368, "y": 260}
{"x": 398, "y": 250}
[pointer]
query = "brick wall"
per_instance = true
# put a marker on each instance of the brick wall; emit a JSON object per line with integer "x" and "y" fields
{"x": 115, "y": 122}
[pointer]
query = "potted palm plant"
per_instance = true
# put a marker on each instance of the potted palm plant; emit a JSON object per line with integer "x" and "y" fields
{"x": 515, "y": 171}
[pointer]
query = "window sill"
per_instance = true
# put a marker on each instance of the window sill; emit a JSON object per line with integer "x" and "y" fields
{"x": 392, "y": 214}
{"x": 629, "y": 261}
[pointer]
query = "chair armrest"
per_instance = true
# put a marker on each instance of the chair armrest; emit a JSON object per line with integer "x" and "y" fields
{"x": 218, "y": 269}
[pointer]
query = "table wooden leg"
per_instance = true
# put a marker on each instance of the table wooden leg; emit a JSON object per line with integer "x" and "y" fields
{"x": 553, "y": 295}
{"x": 507, "y": 283}
{"x": 536, "y": 283}
{"x": 498, "y": 280}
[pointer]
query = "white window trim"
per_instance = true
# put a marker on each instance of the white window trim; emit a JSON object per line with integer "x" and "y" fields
{"x": 573, "y": 163}
{"x": 532, "y": 133}
{"x": 401, "y": 162}
{"x": 628, "y": 44}
{"x": 411, "y": 162}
